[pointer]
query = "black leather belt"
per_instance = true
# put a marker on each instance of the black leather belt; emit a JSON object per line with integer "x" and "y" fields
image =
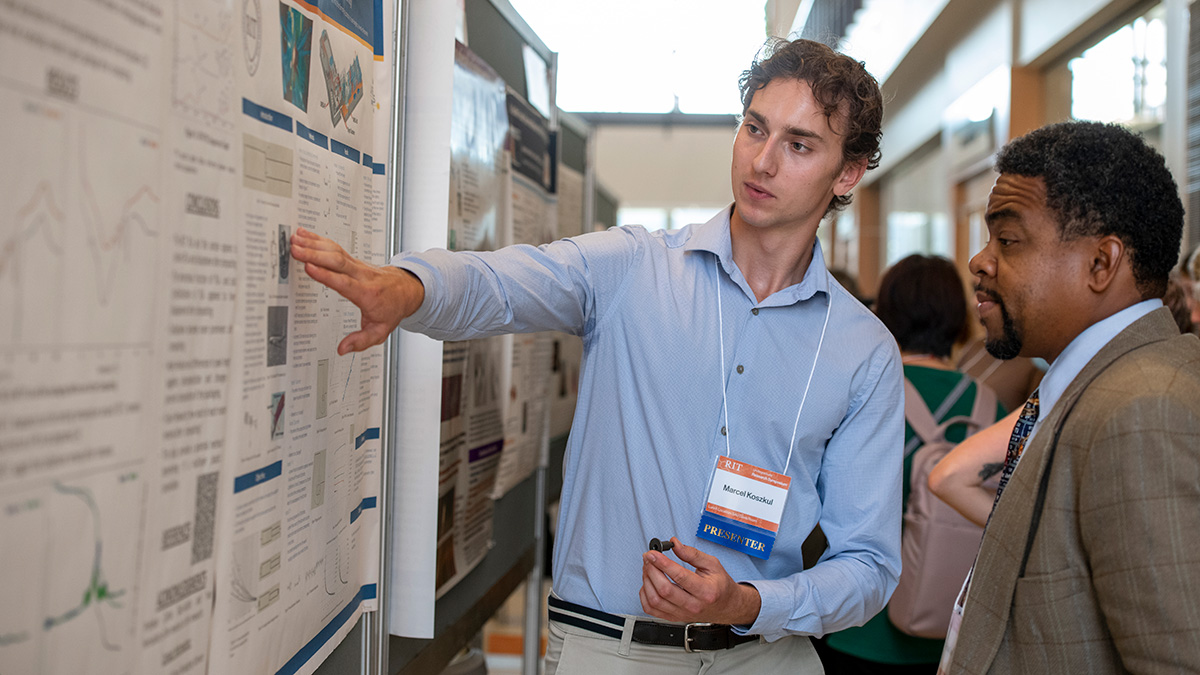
{"x": 691, "y": 637}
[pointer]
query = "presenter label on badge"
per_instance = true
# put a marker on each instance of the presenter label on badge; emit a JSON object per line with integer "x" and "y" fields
{"x": 744, "y": 507}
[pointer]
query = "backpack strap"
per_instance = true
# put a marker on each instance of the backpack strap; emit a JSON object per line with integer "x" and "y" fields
{"x": 952, "y": 398}
{"x": 925, "y": 423}
{"x": 984, "y": 412}
{"x": 917, "y": 414}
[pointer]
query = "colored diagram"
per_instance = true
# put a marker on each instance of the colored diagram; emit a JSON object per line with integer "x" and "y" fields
{"x": 296, "y": 42}
{"x": 97, "y": 591}
{"x": 345, "y": 89}
{"x": 277, "y": 402}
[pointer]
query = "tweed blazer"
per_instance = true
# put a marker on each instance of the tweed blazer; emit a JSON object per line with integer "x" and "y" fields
{"x": 1107, "y": 579}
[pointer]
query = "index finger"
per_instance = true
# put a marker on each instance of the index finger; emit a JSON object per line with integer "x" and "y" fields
{"x": 693, "y": 556}
{"x": 681, "y": 575}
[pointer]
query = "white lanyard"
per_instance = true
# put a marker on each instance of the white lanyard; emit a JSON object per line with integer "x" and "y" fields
{"x": 724, "y": 395}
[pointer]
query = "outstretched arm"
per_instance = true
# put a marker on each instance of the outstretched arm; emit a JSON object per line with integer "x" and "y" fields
{"x": 386, "y": 295}
{"x": 958, "y": 479}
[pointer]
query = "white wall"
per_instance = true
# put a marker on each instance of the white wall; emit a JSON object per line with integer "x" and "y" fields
{"x": 667, "y": 167}
{"x": 972, "y": 53}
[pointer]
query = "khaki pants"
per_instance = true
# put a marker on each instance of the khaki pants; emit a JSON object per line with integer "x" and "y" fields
{"x": 576, "y": 651}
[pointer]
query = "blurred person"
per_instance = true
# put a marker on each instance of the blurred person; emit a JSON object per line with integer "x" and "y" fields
{"x": 1179, "y": 299}
{"x": 1089, "y": 560}
{"x": 1190, "y": 278}
{"x": 850, "y": 283}
{"x": 922, "y": 303}
{"x": 715, "y": 343}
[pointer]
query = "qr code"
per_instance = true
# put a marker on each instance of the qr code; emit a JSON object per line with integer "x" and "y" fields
{"x": 204, "y": 519}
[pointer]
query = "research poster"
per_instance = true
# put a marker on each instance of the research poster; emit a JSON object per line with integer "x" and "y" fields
{"x": 567, "y": 350}
{"x": 118, "y": 292}
{"x": 530, "y": 217}
{"x": 526, "y": 408}
{"x": 184, "y": 461}
{"x": 473, "y": 372}
{"x": 478, "y": 128}
{"x": 300, "y": 517}
{"x": 471, "y": 442}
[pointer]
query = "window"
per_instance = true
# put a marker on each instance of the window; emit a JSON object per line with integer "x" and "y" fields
{"x": 914, "y": 204}
{"x": 1122, "y": 78}
{"x": 649, "y": 56}
{"x": 666, "y": 218}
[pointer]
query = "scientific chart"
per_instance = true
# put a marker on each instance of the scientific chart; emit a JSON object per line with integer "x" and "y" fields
{"x": 177, "y": 433}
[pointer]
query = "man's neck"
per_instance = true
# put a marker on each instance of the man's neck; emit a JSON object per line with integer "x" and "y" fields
{"x": 1101, "y": 309}
{"x": 771, "y": 258}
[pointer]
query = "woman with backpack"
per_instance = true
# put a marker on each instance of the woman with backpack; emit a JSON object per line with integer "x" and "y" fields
{"x": 922, "y": 302}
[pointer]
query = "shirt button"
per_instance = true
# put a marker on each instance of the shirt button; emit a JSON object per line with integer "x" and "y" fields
{"x": 741, "y": 369}
{"x": 754, "y": 311}
{"x": 723, "y": 431}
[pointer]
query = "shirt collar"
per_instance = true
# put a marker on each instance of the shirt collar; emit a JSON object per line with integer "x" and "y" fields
{"x": 713, "y": 237}
{"x": 1081, "y": 350}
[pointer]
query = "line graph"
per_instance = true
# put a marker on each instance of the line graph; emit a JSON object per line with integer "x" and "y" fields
{"x": 97, "y": 591}
{"x": 202, "y": 81}
{"x": 349, "y": 372}
{"x": 37, "y": 240}
{"x": 34, "y": 219}
{"x": 243, "y": 580}
{"x": 70, "y": 563}
{"x": 111, "y": 237}
{"x": 79, "y": 228}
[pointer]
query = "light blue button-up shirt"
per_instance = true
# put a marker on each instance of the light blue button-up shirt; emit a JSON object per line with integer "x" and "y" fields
{"x": 649, "y": 424}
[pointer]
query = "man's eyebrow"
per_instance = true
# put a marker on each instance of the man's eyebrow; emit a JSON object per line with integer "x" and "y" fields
{"x": 999, "y": 214}
{"x": 791, "y": 131}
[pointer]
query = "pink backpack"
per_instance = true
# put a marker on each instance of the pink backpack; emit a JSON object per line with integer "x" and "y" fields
{"x": 938, "y": 545}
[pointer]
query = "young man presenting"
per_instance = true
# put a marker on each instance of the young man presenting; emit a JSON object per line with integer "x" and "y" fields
{"x": 1090, "y": 559}
{"x": 732, "y": 395}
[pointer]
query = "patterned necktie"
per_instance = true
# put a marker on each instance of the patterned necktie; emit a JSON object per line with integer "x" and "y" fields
{"x": 1016, "y": 443}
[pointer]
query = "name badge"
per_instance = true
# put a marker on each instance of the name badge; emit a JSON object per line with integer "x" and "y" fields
{"x": 744, "y": 506}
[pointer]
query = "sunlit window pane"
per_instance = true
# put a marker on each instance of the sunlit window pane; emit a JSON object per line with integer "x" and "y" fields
{"x": 1102, "y": 80}
{"x": 692, "y": 216}
{"x": 1124, "y": 77}
{"x": 644, "y": 55}
{"x": 651, "y": 219}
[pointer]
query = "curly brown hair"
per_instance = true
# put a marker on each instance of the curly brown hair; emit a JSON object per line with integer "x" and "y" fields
{"x": 836, "y": 81}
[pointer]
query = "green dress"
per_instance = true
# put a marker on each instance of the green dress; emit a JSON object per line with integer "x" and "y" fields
{"x": 878, "y": 640}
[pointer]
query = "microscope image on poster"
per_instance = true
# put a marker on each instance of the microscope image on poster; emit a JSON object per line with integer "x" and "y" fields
{"x": 296, "y": 43}
{"x": 345, "y": 88}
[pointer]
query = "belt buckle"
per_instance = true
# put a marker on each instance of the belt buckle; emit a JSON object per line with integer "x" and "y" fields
{"x": 687, "y": 638}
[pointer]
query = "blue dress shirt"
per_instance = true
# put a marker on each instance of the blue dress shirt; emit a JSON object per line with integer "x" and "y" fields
{"x": 649, "y": 423}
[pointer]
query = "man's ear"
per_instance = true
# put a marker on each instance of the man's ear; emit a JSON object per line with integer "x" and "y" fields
{"x": 851, "y": 173}
{"x": 1107, "y": 263}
